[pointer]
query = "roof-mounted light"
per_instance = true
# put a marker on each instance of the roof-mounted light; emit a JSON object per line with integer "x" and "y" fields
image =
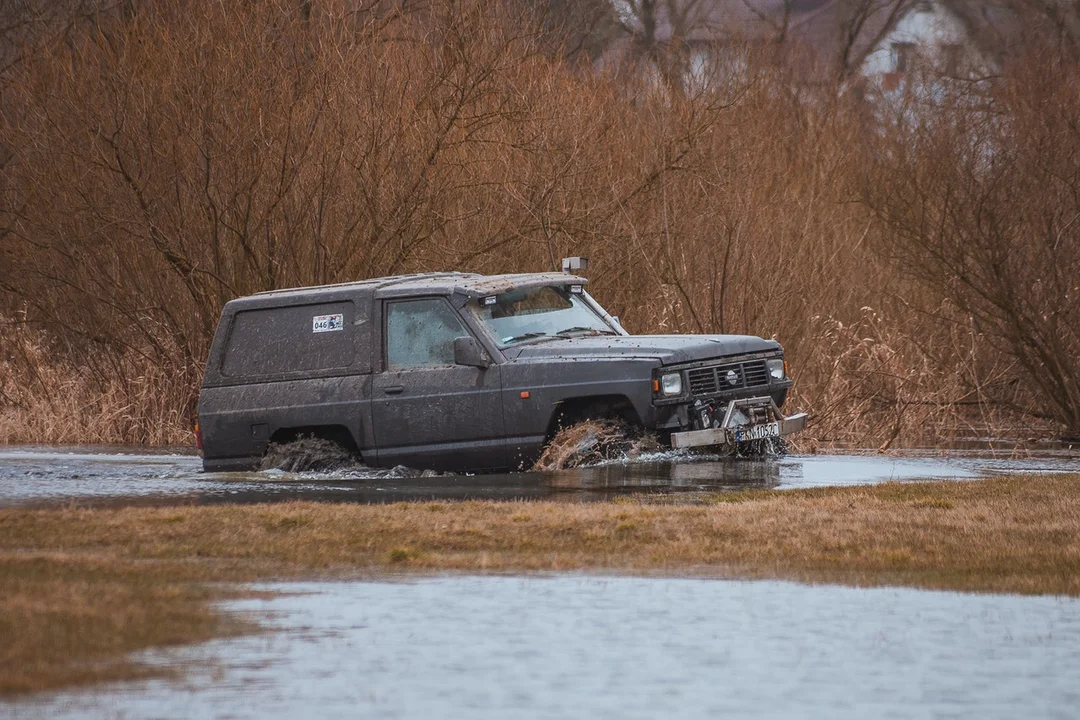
{"x": 574, "y": 264}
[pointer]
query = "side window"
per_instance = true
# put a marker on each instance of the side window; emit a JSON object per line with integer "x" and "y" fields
{"x": 421, "y": 333}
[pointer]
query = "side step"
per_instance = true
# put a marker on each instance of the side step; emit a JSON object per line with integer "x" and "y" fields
{"x": 728, "y": 433}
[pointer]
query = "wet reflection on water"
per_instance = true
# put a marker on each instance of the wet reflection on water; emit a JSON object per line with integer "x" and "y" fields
{"x": 36, "y": 476}
{"x": 717, "y": 475}
{"x": 588, "y": 647}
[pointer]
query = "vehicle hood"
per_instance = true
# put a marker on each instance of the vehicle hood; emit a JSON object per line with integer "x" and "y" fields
{"x": 667, "y": 349}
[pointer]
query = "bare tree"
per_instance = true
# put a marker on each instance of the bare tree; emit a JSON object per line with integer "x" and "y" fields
{"x": 982, "y": 203}
{"x": 1055, "y": 20}
{"x": 659, "y": 32}
{"x": 861, "y": 26}
{"x": 827, "y": 42}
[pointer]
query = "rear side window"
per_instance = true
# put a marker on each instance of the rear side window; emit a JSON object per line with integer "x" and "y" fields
{"x": 421, "y": 333}
{"x": 275, "y": 341}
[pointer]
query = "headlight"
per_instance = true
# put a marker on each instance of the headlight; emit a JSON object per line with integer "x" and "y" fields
{"x": 776, "y": 368}
{"x": 671, "y": 384}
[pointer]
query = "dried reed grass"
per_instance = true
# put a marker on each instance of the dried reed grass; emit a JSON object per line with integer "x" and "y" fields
{"x": 47, "y": 397}
{"x": 72, "y": 619}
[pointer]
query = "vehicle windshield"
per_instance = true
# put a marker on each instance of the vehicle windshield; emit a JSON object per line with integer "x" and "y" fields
{"x": 537, "y": 313}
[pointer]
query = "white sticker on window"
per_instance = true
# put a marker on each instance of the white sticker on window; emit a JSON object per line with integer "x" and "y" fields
{"x": 327, "y": 323}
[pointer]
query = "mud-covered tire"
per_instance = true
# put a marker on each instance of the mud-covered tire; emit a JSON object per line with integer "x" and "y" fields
{"x": 309, "y": 454}
{"x": 593, "y": 441}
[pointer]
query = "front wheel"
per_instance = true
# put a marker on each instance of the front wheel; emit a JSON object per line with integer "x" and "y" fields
{"x": 593, "y": 441}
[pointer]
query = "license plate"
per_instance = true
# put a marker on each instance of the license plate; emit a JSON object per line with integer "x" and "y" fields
{"x": 757, "y": 432}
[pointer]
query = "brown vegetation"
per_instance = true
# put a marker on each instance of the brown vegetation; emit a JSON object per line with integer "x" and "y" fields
{"x": 982, "y": 203}
{"x": 72, "y": 600}
{"x": 73, "y": 619}
{"x": 157, "y": 161}
{"x": 51, "y": 396}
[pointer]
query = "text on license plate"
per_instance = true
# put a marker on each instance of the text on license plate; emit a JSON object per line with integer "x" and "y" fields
{"x": 757, "y": 432}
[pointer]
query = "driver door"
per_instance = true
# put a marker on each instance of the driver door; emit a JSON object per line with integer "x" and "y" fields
{"x": 428, "y": 412}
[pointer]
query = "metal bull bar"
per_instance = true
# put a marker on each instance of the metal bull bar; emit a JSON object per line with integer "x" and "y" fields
{"x": 729, "y": 433}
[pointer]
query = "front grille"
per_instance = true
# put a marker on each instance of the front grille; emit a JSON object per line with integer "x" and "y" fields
{"x": 716, "y": 379}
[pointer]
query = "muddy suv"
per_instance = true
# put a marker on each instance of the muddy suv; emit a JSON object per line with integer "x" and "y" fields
{"x": 456, "y": 371}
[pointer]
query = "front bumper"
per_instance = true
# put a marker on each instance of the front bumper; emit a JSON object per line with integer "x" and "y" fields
{"x": 733, "y": 428}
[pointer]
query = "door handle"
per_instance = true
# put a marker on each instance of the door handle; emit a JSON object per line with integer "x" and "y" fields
{"x": 393, "y": 389}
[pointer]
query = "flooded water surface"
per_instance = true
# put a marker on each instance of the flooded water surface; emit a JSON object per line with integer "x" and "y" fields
{"x": 579, "y": 646}
{"x": 588, "y": 647}
{"x": 36, "y": 476}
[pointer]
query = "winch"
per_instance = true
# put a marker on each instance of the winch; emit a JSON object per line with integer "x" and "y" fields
{"x": 707, "y": 414}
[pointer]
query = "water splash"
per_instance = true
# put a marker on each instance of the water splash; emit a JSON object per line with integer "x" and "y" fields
{"x": 310, "y": 454}
{"x": 597, "y": 443}
{"x": 593, "y": 442}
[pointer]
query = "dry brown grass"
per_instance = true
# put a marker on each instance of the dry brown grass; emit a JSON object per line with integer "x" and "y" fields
{"x": 48, "y": 397}
{"x": 72, "y": 619}
{"x": 79, "y": 588}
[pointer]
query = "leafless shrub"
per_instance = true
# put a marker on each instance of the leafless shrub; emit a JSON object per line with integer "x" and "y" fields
{"x": 165, "y": 159}
{"x": 889, "y": 383}
{"x": 981, "y": 201}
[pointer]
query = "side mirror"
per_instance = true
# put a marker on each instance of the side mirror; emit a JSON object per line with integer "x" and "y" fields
{"x": 467, "y": 351}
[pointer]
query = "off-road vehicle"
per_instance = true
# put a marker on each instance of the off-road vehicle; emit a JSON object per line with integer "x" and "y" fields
{"x": 458, "y": 371}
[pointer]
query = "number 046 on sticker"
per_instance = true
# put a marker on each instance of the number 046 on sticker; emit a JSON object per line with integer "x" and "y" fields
{"x": 327, "y": 323}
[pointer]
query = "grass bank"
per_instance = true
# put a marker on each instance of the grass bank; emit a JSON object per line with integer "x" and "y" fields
{"x": 80, "y": 588}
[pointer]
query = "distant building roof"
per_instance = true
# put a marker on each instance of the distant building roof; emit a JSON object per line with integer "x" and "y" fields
{"x": 828, "y": 39}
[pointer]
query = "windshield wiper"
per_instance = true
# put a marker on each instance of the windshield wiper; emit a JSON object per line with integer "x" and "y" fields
{"x": 591, "y": 330}
{"x": 524, "y": 336}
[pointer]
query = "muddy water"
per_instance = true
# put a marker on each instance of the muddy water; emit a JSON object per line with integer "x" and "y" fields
{"x": 36, "y": 476}
{"x": 588, "y": 647}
